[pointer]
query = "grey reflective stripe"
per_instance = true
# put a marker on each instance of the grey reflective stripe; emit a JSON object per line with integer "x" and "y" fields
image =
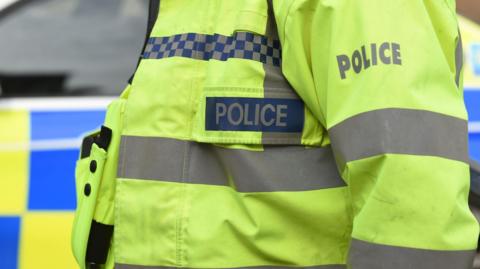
{"x": 276, "y": 86}
{"x": 458, "y": 59}
{"x": 400, "y": 131}
{"x": 365, "y": 255}
{"x": 128, "y": 266}
{"x": 286, "y": 168}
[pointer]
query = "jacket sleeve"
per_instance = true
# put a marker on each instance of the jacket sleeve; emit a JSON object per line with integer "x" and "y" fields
{"x": 384, "y": 79}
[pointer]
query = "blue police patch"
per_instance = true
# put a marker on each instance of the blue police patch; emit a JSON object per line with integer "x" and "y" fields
{"x": 254, "y": 114}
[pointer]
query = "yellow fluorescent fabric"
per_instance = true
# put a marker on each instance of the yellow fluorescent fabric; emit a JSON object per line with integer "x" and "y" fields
{"x": 379, "y": 81}
{"x": 253, "y": 223}
{"x": 403, "y": 199}
{"x": 46, "y": 241}
{"x": 180, "y": 85}
{"x": 318, "y": 31}
{"x": 418, "y": 207}
{"x": 220, "y": 228}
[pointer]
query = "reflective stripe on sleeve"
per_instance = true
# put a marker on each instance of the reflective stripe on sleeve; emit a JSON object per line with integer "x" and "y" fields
{"x": 400, "y": 131}
{"x": 276, "y": 168}
{"x": 365, "y": 255}
{"x": 128, "y": 266}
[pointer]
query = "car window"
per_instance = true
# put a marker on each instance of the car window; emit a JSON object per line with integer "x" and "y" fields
{"x": 70, "y": 47}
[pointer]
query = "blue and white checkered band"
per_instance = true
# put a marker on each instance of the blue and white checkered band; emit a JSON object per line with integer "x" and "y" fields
{"x": 242, "y": 45}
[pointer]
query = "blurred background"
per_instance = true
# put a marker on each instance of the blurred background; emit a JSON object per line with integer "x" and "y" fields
{"x": 61, "y": 63}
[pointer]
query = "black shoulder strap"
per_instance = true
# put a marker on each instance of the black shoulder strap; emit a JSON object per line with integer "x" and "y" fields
{"x": 153, "y": 9}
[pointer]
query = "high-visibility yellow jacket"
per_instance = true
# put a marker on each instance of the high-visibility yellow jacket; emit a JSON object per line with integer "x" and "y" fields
{"x": 324, "y": 134}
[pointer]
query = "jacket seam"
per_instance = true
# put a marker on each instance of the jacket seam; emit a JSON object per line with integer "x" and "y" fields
{"x": 289, "y": 10}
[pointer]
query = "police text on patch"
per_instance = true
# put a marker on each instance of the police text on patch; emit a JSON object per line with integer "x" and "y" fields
{"x": 254, "y": 114}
